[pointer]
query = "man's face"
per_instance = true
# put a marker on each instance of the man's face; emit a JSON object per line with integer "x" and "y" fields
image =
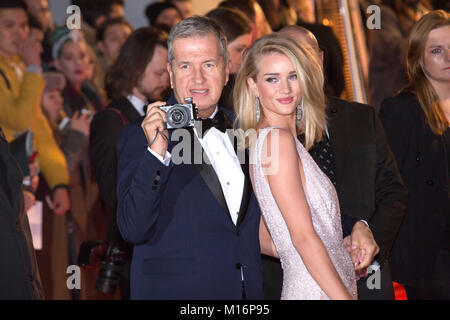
{"x": 114, "y": 38}
{"x": 41, "y": 10}
{"x": 185, "y": 7}
{"x": 198, "y": 71}
{"x": 14, "y": 30}
{"x": 155, "y": 80}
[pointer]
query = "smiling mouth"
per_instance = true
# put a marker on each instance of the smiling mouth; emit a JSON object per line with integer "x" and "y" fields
{"x": 285, "y": 100}
{"x": 199, "y": 91}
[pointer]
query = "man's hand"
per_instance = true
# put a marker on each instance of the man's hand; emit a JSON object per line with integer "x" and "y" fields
{"x": 154, "y": 121}
{"x": 361, "y": 246}
{"x": 61, "y": 201}
{"x": 30, "y": 52}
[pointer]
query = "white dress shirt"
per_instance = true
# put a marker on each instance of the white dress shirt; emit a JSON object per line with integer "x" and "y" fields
{"x": 219, "y": 149}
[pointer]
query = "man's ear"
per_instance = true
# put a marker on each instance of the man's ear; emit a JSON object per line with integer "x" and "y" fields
{"x": 252, "y": 85}
{"x": 169, "y": 70}
{"x": 227, "y": 71}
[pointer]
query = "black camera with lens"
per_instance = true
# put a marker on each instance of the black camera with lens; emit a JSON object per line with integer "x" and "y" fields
{"x": 180, "y": 115}
{"x": 112, "y": 259}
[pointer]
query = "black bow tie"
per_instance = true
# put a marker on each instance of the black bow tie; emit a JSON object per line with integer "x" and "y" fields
{"x": 219, "y": 121}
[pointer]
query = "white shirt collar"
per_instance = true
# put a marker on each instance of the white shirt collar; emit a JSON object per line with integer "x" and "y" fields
{"x": 137, "y": 103}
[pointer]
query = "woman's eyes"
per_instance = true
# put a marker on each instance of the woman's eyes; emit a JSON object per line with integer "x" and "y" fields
{"x": 436, "y": 51}
{"x": 274, "y": 79}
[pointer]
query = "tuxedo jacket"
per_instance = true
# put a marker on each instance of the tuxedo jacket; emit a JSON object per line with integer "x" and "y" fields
{"x": 423, "y": 164}
{"x": 186, "y": 244}
{"x": 368, "y": 182}
{"x": 19, "y": 274}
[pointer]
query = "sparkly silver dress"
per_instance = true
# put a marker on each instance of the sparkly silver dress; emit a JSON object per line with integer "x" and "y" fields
{"x": 322, "y": 199}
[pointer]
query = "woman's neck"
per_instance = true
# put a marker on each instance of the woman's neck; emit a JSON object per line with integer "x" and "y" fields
{"x": 285, "y": 122}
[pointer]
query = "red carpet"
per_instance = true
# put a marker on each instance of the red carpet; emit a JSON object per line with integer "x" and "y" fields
{"x": 400, "y": 293}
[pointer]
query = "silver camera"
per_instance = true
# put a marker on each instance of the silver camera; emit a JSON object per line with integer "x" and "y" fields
{"x": 180, "y": 115}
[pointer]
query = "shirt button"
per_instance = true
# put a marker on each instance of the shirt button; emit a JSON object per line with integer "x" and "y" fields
{"x": 430, "y": 182}
{"x": 228, "y": 183}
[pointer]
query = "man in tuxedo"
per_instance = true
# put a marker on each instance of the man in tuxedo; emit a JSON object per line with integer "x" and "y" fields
{"x": 139, "y": 75}
{"x": 194, "y": 225}
{"x": 356, "y": 157}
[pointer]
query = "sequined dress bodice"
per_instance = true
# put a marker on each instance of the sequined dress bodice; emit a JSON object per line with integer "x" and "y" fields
{"x": 322, "y": 199}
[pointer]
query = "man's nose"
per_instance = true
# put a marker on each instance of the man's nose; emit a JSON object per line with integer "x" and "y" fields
{"x": 198, "y": 75}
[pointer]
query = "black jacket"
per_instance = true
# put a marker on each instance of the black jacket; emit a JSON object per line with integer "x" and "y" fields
{"x": 367, "y": 179}
{"x": 423, "y": 164}
{"x": 19, "y": 275}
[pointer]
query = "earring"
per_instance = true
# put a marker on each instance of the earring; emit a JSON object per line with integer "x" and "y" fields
{"x": 257, "y": 110}
{"x": 300, "y": 111}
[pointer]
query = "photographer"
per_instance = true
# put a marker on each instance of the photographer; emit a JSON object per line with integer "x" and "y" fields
{"x": 139, "y": 75}
{"x": 194, "y": 226}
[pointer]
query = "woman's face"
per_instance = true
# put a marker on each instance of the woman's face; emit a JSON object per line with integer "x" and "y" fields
{"x": 276, "y": 85}
{"x": 436, "y": 59}
{"x": 236, "y": 49}
{"x": 74, "y": 61}
{"x": 52, "y": 102}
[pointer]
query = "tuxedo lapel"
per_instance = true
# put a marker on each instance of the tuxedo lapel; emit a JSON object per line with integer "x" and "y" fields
{"x": 247, "y": 192}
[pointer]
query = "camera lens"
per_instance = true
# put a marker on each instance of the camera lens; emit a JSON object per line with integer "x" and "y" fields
{"x": 177, "y": 117}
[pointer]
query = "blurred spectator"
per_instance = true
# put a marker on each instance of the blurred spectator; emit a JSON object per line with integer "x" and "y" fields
{"x": 71, "y": 58}
{"x": 163, "y": 15}
{"x": 19, "y": 274}
{"x": 387, "y": 47}
{"x": 71, "y": 135}
{"x": 21, "y": 86}
{"x": 81, "y": 99}
{"x": 333, "y": 59}
{"x": 304, "y": 9}
{"x": 251, "y": 8}
{"x": 279, "y": 13}
{"x": 95, "y": 13}
{"x": 138, "y": 76}
{"x": 40, "y": 10}
{"x": 110, "y": 37}
{"x": 238, "y": 30}
{"x": 183, "y": 6}
{"x": 417, "y": 125}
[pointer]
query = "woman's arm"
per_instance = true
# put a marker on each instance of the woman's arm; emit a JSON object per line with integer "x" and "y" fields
{"x": 287, "y": 188}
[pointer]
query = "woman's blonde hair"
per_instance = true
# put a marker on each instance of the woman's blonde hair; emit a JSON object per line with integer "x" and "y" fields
{"x": 418, "y": 83}
{"x": 310, "y": 78}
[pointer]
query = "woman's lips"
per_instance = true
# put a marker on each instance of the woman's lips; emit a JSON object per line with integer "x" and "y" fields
{"x": 285, "y": 100}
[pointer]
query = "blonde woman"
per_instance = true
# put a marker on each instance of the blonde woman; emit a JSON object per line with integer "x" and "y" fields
{"x": 417, "y": 122}
{"x": 279, "y": 93}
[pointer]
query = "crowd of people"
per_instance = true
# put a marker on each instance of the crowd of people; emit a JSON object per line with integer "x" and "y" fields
{"x": 330, "y": 191}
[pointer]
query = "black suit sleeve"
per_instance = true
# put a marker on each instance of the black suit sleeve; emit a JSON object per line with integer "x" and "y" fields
{"x": 390, "y": 195}
{"x": 105, "y": 129}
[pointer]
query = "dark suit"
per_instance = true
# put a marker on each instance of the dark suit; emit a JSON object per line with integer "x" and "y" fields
{"x": 368, "y": 184}
{"x": 19, "y": 275}
{"x": 423, "y": 163}
{"x": 186, "y": 245}
{"x": 105, "y": 129}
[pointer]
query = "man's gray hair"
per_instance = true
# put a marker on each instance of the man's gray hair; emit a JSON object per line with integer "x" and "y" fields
{"x": 198, "y": 26}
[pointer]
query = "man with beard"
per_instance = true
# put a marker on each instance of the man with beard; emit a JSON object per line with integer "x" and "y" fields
{"x": 138, "y": 76}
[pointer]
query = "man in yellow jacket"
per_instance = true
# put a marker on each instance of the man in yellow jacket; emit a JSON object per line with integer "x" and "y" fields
{"x": 21, "y": 86}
